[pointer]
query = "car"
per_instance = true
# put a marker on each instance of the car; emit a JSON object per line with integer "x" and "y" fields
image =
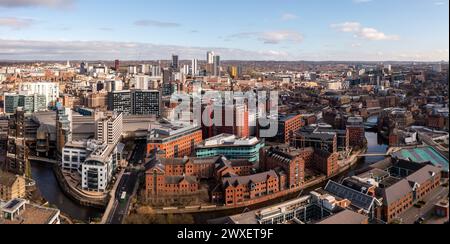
{"x": 419, "y": 221}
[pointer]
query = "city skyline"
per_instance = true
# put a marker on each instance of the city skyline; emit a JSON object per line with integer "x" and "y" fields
{"x": 346, "y": 30}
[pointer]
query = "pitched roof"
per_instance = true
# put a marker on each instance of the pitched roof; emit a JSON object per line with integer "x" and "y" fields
{"x": 173, "y": 180}
{"x": 7, "y": 179}
{"x": 358, "y": 199}
{"x": 424, "y": 174}
{"x": 245, "y": 180}
{"x": 396, "y": 192}
{"x": 345, "y": 217}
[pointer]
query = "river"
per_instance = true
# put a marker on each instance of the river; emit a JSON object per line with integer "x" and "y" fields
{"x": 50, "y": 190}
{"x": 47, "y": 184}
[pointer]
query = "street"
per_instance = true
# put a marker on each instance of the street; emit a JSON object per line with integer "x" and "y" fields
{"x": 127, "y": 184}
{"x": 413, "y": 214}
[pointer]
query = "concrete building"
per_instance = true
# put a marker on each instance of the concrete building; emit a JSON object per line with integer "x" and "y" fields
{"x": 48, "y": 89}
{"x": 17, "y": 154}
{"x": 136, "y": 102}
{"x": 30, "y": 103}
{"x": 20, "y": 211}
{"x": 109, "y": 128}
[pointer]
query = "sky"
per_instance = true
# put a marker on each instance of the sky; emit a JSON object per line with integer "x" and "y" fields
{"x": 285, "y": 30}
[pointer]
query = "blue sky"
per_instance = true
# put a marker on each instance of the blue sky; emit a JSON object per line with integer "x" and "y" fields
{"x": 372, "y": 30}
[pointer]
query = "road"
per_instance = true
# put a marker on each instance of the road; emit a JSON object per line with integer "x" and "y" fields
{"x": 127, "y": 184}
{"x": 120, "y": 209}
{"x": 139, "y": 152}
{"x": 413, "y": 214}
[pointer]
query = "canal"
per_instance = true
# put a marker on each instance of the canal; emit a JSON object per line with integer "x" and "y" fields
{"x": 50, "y": 190}
{"x": 375, "y": 144}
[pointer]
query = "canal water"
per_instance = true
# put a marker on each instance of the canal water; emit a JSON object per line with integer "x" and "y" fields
{"x": 50, "y": 190}
{"x": 375, "y": 144}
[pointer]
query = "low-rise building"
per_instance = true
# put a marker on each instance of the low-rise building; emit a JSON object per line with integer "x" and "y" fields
{"x": 19, "y": 211}
{"x": 238, "y": 189}
{"x": 11, "y": 186}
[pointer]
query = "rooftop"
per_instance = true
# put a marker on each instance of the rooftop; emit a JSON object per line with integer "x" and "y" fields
{"x": 167, "y": 130}
{"x": 346, "y": 217}
{"x": 7, "y": 179}
{"x": 30, "y": 213}
{"x": 423, "y": 155}
{"x": 228, "y": 140}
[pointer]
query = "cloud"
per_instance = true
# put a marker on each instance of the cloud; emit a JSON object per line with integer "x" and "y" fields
{"x": 272, "y": 37}
{"x": 156, "y": 23}
{"x": 105, "y": 29}
{"x": 364, "y": 32}
{"x": 15, "y": 23}
{"x": 35, "y": 3}
{"x": 288, "y": 17}
{"x": 105, "y": 50}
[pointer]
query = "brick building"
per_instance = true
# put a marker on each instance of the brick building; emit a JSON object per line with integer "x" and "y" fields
{"x": 403, "y": 194}
{"x": 238, "y": 189}
{"x": 11, "y": 186}
{"x": 286, "y": 160}
{"x": 287, "y": 126}
{"x": 175, "y": 141}
{"x": 326, "y": 162}
{"x": 356, "y": 132}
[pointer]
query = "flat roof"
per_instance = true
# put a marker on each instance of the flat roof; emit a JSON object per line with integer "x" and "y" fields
{"x": 33, "y": 214}
{"x": 423, "y": 155}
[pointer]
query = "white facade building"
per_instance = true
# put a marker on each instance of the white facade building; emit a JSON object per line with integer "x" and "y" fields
{"x": 73, "y": 156}
{"x": 49, "y": 89}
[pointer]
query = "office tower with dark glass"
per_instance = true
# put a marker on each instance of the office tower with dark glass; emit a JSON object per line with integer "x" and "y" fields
{"x": 175, "y": 62}
{"x": 146, "y": 102}
{"x": 135, "y": 102}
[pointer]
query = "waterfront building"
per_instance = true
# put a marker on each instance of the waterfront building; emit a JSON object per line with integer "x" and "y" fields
{"x": 97, "y": 171}
{"x": 20, "y": 211}
{"x": 96, "y": 160}
{"x": 356, "y": 132}
{"x": 17, "y": 151}
{"x": 317, "y": 138}
{"x": 236, "y": 190}
{"x": 11, "y": 186}
{"x": 289, "y": 163}
{"x": 73, "y": 155}
{"x": 63, "y": 127}
{"x": 231, "y": 147}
